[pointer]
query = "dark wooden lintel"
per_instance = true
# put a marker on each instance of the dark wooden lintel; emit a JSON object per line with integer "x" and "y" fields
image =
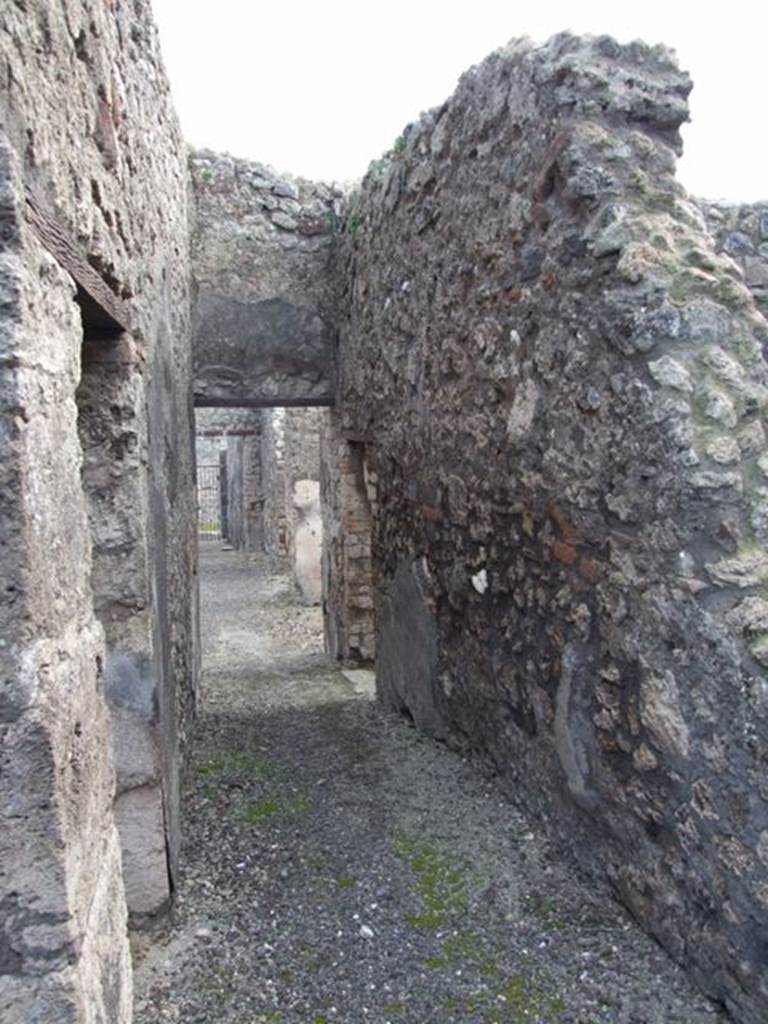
{"x": 262, "y": 402}
{"x": 226, "y": 432}
{"x": 356, "y": 437}
{"x": 102, "y": 310}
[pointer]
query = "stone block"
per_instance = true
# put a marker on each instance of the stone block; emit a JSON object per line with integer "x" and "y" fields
{"x": 308, "y": 540}
{"x": 406, "y": 667}
{"x": 140, "y": 821}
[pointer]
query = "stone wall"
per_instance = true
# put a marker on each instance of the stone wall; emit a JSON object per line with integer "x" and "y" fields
{"x": 275, "y": 511}
{"x": 62, "y": 906}
{"x": 741, "y": 232}
{"x": 348, "y": 497}
{"x": 265, "y": 289}
{"x": 99, "y": 601}
{"x": 112, "y": 431}
{"x": 566, "y": 392}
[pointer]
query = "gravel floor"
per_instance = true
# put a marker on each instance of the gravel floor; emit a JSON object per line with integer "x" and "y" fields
{"x": 339, "y": 867}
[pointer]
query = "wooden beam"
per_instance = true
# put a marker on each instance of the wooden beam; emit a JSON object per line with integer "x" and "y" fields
{"x": 261, "y": 402}
{"x": 356, "y": 437}
{"x": 102, "y": 310}
{"x": 224, "y": 432}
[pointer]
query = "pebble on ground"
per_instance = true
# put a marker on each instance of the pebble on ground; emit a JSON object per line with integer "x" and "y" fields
{"x": 340, "y": 868}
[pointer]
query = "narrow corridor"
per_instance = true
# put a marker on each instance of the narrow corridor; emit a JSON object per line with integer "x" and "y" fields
{"x": 339, "y": 867}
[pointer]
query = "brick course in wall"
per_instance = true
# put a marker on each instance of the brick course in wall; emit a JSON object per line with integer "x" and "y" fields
{"x": 348, "y": 494}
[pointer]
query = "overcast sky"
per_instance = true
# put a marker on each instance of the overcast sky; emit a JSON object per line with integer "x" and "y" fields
{"x": 321, "y": 88}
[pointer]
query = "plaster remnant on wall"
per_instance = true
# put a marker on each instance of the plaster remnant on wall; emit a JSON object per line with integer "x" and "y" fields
{"x": 480, "y": 581}
{"x": 522, "y": 411}
{"x": 661, "y": 714}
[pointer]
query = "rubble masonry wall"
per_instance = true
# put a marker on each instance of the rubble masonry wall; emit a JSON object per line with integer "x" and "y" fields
{"x": 562, "y": 390}
{"x": 97, "y": 518}
{"x": 265, "y": 290}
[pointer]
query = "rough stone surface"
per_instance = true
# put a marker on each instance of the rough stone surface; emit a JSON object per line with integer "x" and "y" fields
{"x": 265, "y": 300}
{"x": 140, "y": 819}
{"x": 348, "y": 499}
{"x": 112, "y": 431}
{"x": 112, "y": 553}
{"x": 741, "y": 232}
{"x": 565, "y": 387}
{"x": 277, "y": 513}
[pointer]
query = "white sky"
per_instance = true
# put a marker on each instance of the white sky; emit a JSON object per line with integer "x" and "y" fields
{"x": 321, "y": 88}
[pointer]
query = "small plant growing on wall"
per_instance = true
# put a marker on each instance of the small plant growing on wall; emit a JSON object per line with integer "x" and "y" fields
{"x": 377, "y": 169}
{"x": 353, "y": 223}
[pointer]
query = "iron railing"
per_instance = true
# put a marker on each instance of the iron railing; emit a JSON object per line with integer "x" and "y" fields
{"x": 208, "y": 503}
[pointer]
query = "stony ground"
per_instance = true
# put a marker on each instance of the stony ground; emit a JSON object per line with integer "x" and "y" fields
{"x": 338, "y": 867}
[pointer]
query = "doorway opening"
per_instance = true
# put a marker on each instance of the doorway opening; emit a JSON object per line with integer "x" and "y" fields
{"x": 210, "y": 510}
{"x": 258, "y": 487}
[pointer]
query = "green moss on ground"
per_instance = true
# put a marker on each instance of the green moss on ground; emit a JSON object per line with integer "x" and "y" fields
{"x": 231, "y": 763}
